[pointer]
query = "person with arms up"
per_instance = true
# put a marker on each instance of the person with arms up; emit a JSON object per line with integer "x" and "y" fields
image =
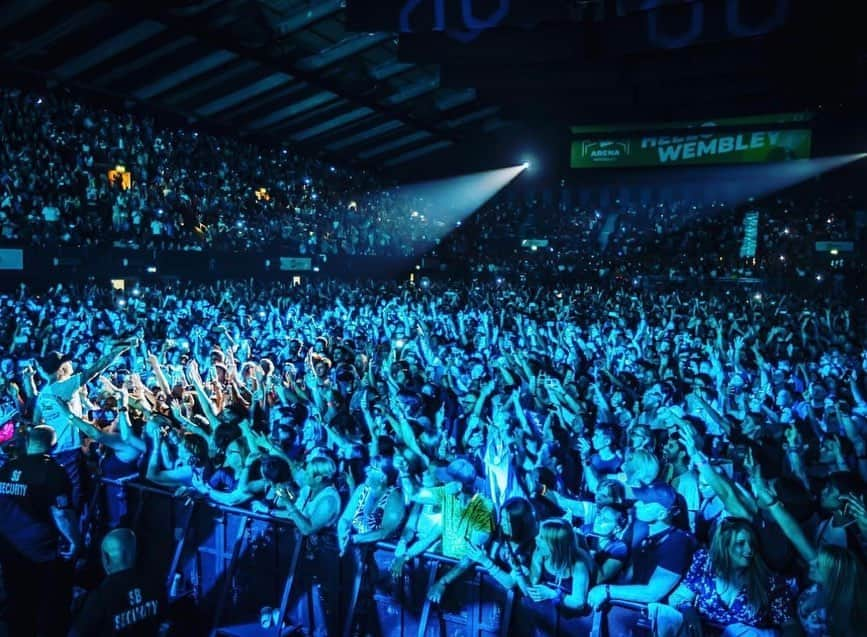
{"x": 125, "y": 603}
{"x": 35, "y": 509}
{"x": 62, "y": 390}
{"x": 467, "y": 520}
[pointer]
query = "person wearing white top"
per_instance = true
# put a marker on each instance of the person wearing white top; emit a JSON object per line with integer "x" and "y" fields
{"x": 62, "y": 389}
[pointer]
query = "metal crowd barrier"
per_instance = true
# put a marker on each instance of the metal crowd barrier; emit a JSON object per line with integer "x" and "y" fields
{"x": 222, "y": 565}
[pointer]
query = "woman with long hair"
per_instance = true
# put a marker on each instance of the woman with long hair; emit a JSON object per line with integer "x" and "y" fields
{"x": 729, "y": 584}
{"x": 836, "y": 604}
{"x": 513, "y": 546}
{"x": 555, "y": 595}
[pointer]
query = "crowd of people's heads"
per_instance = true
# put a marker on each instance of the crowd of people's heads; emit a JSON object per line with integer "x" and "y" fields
{"x": 700, "y": 453}
{"x": 671, "y": 238}
{"x": 188, "y": 190}
{"x": 563, "y": 425}
{"x": 181, "y": 189}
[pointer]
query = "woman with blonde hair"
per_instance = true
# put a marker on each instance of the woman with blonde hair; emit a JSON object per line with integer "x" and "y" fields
{"x": 561, "y": 572}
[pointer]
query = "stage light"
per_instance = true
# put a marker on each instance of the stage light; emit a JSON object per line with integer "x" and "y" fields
{"x": 526, "y": 165}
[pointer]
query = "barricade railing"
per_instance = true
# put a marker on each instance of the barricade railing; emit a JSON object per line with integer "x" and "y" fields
{"x": 232, "y": 562}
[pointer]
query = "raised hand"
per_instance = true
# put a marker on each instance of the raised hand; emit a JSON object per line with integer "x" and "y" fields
{"x": 764, "y": 491}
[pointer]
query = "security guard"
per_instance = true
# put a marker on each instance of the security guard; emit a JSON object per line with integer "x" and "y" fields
{"x": 35, "y": 510}
{"x": 125, "y": 603}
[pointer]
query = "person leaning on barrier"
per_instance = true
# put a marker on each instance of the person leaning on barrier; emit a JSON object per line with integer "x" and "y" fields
{"x": 125, "y": 603}
{"x": 35, "y": 508}
{"x": 657, "y": 564}
{"x": 729, "y": 585}
{"x": 375, "y": 509}
{"x": 467, "y": 520}
{"x": 513, "y": 546}
{"x": 314, "y": 512}
{"x": 561, "y": 570}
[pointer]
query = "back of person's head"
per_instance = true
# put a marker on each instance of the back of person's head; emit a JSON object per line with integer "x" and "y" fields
{"x": 118, "y": 550}
{"x": 558, "y": 537}
{"x": 275, "y": 469}
{"x": 225, "y": 434}
{"x": 41, "y": 439}
{"x": 641, "y": 467}
{"x": 385, "y": 444}
{"x": 392, "y": 475}
{"x": 522, "y": 524}
{"x": 197, "y": 446}
{"x": 547, "y": 478}
{"x": 841, "y": 575}
{"x": 794, "y": 497}
{"x": 845, "y": 482}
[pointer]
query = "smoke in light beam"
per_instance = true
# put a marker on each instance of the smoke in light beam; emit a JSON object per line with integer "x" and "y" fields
{"x": 448, "y": 202}
{"x": 760, "y": 181}
{"x": 740, "y": 185}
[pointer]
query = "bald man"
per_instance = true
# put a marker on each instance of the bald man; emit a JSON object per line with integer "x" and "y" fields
{"x": 125, "y": 603}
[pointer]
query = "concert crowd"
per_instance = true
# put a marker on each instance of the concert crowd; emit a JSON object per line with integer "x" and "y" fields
{"x": 619, "y": 459}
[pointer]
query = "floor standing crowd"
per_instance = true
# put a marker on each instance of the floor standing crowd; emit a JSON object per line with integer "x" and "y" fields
{"x": 618, "y": 459}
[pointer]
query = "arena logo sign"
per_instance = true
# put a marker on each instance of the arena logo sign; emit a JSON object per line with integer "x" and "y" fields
{"x": 689, "y": 147}
{"x": 606, "y": 151}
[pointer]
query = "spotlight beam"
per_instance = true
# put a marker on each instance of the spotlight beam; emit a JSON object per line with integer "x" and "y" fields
{"x": 448, "y": 202}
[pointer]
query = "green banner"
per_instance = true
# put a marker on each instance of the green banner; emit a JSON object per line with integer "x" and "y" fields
{"x": 692, "y": 150}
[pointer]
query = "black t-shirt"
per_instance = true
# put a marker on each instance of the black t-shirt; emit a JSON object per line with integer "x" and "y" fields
{"x": 671, "y": 549}
{"x": 126, "y": 604}
{"x": 29, "y": 487}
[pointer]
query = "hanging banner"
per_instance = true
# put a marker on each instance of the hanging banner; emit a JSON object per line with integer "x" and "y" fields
{"x": 690, "y": 150}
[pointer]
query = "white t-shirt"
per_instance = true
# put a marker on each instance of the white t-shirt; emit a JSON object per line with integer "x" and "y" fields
{"x": 51, "y": 413}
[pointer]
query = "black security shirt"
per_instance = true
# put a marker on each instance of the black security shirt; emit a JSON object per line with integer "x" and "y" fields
{"x": 126, "y": 603}
{"x": 29, "y": 487}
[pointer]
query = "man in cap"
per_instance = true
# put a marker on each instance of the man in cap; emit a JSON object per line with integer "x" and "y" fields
{"x": 63, "y": 386}
{"x": 467, "y": 520}
{"x": 35, "y": 509}
{"x": 660, "y": 558}
{"x": 125, "y": 603}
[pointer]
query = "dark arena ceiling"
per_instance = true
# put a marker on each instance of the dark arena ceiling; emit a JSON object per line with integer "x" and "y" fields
{"x": 388, "y": 83}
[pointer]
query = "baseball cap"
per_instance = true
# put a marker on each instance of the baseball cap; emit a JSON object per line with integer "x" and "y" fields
{"x": 458, "y": 470}
{"x": 52, "y": 361}
{"x": 658, "y": 492}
